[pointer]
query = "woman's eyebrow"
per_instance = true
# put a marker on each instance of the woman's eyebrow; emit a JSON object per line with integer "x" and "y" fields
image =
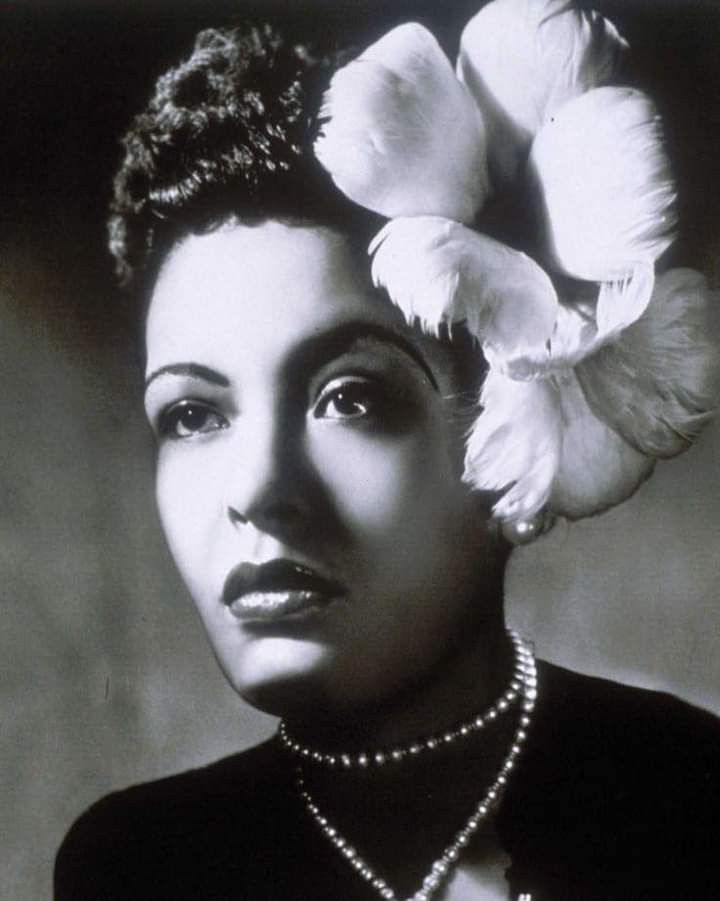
{"x": 318, "y": 350}
{"x": 195, "y": 370}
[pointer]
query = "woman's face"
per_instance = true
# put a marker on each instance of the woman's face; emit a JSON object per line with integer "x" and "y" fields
{"x": 308, "y": 470}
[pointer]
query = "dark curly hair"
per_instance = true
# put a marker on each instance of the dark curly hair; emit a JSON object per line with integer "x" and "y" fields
{"x": 227, "y": 134}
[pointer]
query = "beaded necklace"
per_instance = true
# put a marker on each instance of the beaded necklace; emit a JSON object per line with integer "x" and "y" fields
{"x": 523, "y": 686}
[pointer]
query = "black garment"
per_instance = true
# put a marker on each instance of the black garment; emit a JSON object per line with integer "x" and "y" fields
{"x": 617, "y": 796}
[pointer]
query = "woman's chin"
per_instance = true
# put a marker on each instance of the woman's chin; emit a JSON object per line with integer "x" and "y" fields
{"x": 277, "y": 675}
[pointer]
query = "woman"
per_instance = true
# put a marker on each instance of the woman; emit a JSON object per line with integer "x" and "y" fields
{"x": 343, "y": 539}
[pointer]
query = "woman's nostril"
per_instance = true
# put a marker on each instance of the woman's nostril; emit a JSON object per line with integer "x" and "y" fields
{"x": 269, "y": 516}
{"x": 235, "y": 517}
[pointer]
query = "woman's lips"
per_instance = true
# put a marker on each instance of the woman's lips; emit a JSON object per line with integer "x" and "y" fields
{"x": 280, "y": 588}
{"x": 273, "y": 605}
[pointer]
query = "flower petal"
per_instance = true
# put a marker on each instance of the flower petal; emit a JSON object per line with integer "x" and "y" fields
{"x": 541, "y": 443}
{"x": 657, "y": 384}
{"x": 604, "y": 182}
{"x": 622, "y": 303}
{"x": 515, "y": 444}
{"x": 584, "y": 326}
{"x": 403, "y": 136}
{"x": 523, "y": 59}
{"x": 436, "y": 270}
{"x": 574, "y": 335}
{"x": 598, "y": 468}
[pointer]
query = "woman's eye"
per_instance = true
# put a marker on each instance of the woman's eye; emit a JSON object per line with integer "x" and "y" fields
{"x": 189, "y": 418}
{"x": 347, "y": 400}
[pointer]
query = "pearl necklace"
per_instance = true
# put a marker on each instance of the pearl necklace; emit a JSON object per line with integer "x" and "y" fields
{"x": 443, "y": 866}
{"x": 430, "y": 743}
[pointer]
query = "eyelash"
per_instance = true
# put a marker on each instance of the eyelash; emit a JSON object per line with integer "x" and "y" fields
{"x": 171, "y": 420}
{"x": 366, "y": 396}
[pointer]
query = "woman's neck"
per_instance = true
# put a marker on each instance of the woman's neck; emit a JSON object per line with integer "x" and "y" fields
{"x": 469, "y": 680}
{"x": 404, "y": 814}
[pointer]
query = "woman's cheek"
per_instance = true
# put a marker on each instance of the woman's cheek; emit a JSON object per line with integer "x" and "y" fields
{"x": 188, "y": 487}
{"x": 375, "y": 482}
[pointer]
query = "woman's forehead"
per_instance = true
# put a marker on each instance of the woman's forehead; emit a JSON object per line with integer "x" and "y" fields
{"x": 253, "y": 294}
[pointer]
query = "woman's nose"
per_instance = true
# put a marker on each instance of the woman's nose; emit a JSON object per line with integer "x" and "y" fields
{"x": 267, "y": 481}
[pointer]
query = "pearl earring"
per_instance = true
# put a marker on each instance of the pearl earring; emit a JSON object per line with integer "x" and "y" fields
{"x": 525, "y": 531}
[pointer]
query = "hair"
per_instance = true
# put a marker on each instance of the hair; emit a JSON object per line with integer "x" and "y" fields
{"x": 227, "y": 135}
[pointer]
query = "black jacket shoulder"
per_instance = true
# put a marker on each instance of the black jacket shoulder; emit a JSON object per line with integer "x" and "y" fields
{"x": 616, "y": 797}
{"x": 169, "y": 839}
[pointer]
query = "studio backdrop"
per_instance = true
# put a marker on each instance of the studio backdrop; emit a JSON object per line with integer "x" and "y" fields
{"x": 105, "y": 675}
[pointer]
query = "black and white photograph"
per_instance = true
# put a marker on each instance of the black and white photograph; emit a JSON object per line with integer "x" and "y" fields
{"x": 359, "y": 461}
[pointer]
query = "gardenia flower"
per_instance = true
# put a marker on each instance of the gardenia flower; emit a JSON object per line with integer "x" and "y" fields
{"x": 598, "y": 468}
{"x": 524, "y": 59}
{"x": 656, "y": 384}
{"x": 583, "y": 325}
{"x": 541, "y": 444}
{"x": 605, "y": 185}
{"x": 438, "y": 271}
{"x": 402, "y": 136}
{"x": 584, "y": 391}
{"x": 515, "y": 444}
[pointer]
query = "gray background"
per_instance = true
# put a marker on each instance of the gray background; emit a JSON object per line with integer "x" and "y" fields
{"x": 105, "y": 677}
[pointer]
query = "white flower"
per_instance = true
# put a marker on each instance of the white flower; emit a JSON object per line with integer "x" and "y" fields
{"x": 605, "y": 185}
{"x": 439, "y": 271}
{"x": 403, "y": 136}
{"x": 582, "y": 393}
{"x": 515, "y": 444}
{"x": 524, "y": 59}
{"x": 657, "y": 384}
{"x": 541, "y": 443}
{"x": 583, "y": 326}
{"x": 597, "y": 468}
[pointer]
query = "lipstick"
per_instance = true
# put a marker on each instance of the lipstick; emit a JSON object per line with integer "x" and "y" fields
{"x": 267, "y": 592}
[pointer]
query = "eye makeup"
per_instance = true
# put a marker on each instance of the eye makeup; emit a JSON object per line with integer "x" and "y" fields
{"x": 375, "y": 340}
{"x": 357, "y": 373}
{"x": 181, "y": 402}
{"x": 374, "y": 385}
{"x": 189, "y": 418}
